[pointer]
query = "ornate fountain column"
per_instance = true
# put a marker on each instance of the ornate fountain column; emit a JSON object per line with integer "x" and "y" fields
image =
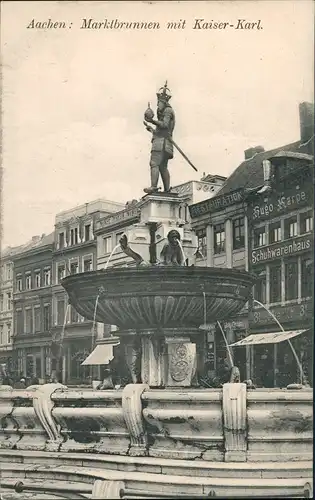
{"x": 162, "y": 357}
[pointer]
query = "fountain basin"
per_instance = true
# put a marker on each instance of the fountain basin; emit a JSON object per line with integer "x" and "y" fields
{"x": 157, "y": 297}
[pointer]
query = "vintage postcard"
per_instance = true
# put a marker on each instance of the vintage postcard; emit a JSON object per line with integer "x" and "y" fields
{"x": 157, "y": 255}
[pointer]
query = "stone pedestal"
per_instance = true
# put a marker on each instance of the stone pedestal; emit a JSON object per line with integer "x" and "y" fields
{"x": 161, "y": 358}
{"x": 160, "y": 208}
{"x": 153, "y": 361}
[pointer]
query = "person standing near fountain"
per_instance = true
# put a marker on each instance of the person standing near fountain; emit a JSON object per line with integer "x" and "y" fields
{"x": 162, "y": 146}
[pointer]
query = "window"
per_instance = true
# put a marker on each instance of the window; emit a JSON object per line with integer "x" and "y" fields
{"x": 87, "y": 264}
{"x": 8, "y": 271}
{"x": 9, "y": 333}
{"x": 47, "y": 274}
{"x": 87, "y": 232}
{"x": 107, "y": 244}
{"x": 74, "y": 236}
{"x": 47, "y": 355}
{"x": 28, "y": 282}
{"x": 19, "y": 324}
{"x": 74, "y": 267}
{"x": 9, "y": 301}
{"x": 238, "y": 233}
{"x": 19, "y": 284}
{"x": 291, "y": 279}
{"x": 60, "y": 311}
{"x": 46, "y": 318}
{"x": 202, "y": 242}
{"x": 61, "y": 240}
{"x": 28, "y": 321}
{"x": 37, "y": 279}
{"x": 260, "y": 286}
{"x": 275, "y": 282}
{"x": 306, "y": 222}
{"x": 290, "y": 228}
{"x": 307, "y": 270}
{"x": 260, "y": 237}
{"x": 1, "y": 302}
{"x": 61, "y": 272}
{"x": 275, "y": 232}
{"x": 37, "y": 319}
{"x": 1, "y": 334}
{"x": 74, "y": 317}
{"x": 118, "y": 236}
{"x": 219, "y": 238}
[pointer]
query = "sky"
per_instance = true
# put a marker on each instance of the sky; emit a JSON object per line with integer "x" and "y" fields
{"x": 73, "y": 100}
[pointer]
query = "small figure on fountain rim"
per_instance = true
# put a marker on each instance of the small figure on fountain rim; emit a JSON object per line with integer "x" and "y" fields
{"x": 171, "y": 253}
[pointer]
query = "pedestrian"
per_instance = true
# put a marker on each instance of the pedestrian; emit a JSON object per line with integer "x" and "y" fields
{"x": 21, "y": 384}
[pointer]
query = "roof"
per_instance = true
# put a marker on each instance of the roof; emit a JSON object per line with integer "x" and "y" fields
{"x": 10, "y": 251}
{"x": 34, "y": 244}
{"x": 249, "y": 174}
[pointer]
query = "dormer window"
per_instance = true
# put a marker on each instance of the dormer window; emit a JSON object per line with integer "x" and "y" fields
{"x": 74, "y": 236}
{"x": 87, "y": 232}
{"x": 61, "y": 240}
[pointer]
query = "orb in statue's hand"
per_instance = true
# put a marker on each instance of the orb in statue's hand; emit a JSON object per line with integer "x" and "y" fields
{"x": 149, "y": 114}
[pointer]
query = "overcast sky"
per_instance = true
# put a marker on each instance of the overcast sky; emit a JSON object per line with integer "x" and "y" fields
{"x": 73, "y": 100}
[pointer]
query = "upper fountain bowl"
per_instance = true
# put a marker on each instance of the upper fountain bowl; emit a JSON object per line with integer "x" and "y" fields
{"x": 159, "y": 297}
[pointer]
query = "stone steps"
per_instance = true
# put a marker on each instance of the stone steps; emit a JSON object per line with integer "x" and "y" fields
{"x": 195, "y": 468}
{"x": 170, "y": 478}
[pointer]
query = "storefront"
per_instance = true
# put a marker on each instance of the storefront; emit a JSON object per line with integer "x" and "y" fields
{"x": 280, "y": 358}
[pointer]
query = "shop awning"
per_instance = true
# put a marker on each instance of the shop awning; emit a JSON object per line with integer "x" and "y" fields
{"x": 267, "y": 338}
{"x": 101, "y": 355}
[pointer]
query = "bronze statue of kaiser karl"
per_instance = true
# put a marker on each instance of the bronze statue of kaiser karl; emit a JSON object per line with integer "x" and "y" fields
{"x": 162, "y": 144}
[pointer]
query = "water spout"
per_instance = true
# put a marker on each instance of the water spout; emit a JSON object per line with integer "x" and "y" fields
{"x": 182, "y": 250}
{"x": 302, "y": 375}
{"x": 201, "y": 255}
{"x": 112, "y": 253}
{"x": 94, "y": 321}
{"x": 62, "y": 335}
{"x": 228, "y": 349}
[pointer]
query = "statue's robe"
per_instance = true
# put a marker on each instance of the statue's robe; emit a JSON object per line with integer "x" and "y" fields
{"x": 162, "y": 147}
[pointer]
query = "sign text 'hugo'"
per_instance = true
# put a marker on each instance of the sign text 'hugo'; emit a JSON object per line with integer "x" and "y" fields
{"x": 277, "y": 203}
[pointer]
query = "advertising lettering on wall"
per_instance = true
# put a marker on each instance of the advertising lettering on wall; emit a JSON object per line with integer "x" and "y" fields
{"x": 119, "y": 216}
{"x": 216, "y": 203}
{"x": 279, "y": 204}
{"x": 283, "y": 249}
{"x": 294, "y": 312}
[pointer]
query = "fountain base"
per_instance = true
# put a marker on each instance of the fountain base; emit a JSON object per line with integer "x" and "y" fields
{"x": 233, "y": 441}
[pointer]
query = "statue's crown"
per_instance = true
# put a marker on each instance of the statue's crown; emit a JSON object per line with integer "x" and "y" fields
{"x": 164, "y": 93}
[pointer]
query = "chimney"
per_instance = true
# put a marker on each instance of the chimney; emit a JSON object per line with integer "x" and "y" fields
{"x": 250, "y": 152}
{"x": 306, "y": 111}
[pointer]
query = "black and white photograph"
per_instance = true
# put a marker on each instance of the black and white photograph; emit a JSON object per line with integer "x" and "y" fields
{"x": 157, "y": 249}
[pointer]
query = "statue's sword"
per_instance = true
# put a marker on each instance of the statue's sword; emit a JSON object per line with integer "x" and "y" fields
{"x": 179, "y": 150}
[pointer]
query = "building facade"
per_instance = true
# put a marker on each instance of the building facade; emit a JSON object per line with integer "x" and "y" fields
{"x": 281, "y": 255}
{"x": 267, "y": 201}
{"x": 32, "y": 275}
{"x": 75, "y": 251}
{"x": 6, "y": 308}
